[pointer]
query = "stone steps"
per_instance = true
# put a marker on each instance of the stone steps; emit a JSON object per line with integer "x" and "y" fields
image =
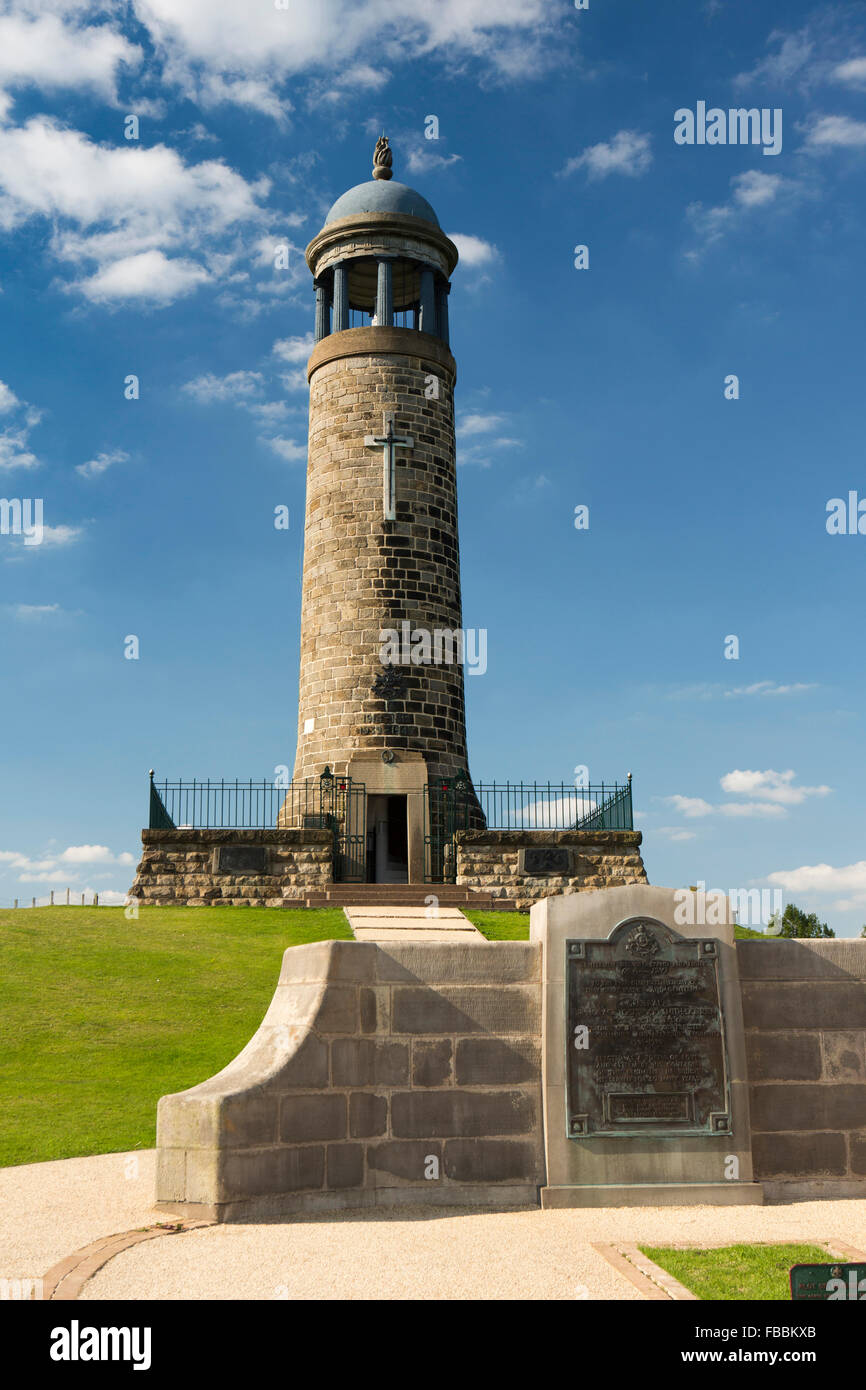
{"x": 404, "y": 895}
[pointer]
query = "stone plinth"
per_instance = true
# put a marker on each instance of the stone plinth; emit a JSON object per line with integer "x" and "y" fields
{"x": 804, "y": 1005}
{"x": 495, "y": 861}
{"x": 186, "y": 867}
{"x": 380, "y": 1076}
{"x": 648, "y": 1162}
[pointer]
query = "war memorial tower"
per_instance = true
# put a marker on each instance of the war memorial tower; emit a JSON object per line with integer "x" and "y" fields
{"x": 381, "y": 551}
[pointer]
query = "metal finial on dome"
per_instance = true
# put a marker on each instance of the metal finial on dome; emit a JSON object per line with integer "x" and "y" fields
{"x": 382, "y": 159}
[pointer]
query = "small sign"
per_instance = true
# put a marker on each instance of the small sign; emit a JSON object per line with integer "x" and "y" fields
{"x": 544, "y": 859}
{"x": 833, "y": 1283}
{"x": 242, "y": 859}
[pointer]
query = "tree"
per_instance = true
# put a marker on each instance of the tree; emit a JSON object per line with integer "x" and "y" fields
{"x": 796, "y": 922}
{"x": 863, "y": 931}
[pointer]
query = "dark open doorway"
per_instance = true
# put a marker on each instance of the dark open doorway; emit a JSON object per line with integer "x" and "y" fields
{"x": 387, "y": 839}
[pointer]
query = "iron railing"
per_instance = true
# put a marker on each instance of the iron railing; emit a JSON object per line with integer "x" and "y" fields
{"x": 248, "y": 805}
{"x": 456, "y": 804}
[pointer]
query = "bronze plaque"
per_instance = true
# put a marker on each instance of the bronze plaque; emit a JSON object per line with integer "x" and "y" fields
{"x": 242, "y": 859}
{"x": 645, "y": 1036}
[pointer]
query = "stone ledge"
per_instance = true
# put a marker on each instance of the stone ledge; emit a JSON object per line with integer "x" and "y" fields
{"x": 187, "y": 836}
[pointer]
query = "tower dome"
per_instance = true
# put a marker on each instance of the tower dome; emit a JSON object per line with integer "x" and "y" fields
{"x": 382, "y": 196}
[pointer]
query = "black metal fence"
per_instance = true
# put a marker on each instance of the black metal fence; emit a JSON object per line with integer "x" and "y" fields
{"x": 457, "y": 804}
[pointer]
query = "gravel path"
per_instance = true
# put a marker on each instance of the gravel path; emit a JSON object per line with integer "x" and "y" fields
{"x": 433, "y": 1254}
{"x": 49, "y": 1210}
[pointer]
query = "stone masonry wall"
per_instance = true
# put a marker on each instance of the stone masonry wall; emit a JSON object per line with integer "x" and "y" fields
{"x": 379, "y": 1076}
{"x": 492, "y": 860}
{"x": 804, "y": 1006}
{"x": 363, "y": 574}
{"x": 177, "y": 867}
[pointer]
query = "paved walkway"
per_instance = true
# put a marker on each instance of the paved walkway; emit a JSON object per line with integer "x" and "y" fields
{"x": 411, "y": 924}
{"x": 49, "y": 1210}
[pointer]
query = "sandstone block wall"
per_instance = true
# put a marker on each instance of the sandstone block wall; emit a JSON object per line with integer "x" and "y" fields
{"x": 804, "y": 1005}
{"x": 177, "y": 867}
{"x": 406, "y": 1074}
{"x": 492, "y": 861}
{"x": 363, "y": 574}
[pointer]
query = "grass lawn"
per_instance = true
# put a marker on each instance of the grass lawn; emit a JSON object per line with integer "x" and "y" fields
{"x": 100, "y": 1015}
{"x": 500, "y": 926}
{"x": 736, "y": 1272}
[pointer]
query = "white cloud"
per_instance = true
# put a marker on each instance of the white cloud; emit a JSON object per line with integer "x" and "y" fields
{"x": 51, "y": 52}
{"x": 56, "y": 535}
{"x": 30, "y": 612}
{"x": 15, "y": 438}
{"x": 479, "y": 423}
{"x": 852, "y": 72}
{"x": 770, "y": 786}
{"x": 832, "y": 132}
{"x": 474, "y": 250}
{"x": 676, "y": 833}
{"x": 823, "y": 880}
{"x": 793, "y": 52}
{"x": 8, "y": 399}
{"x": 94, "y": 854}
{"x": 627, "y": 153}
{"x": 294, "y": 349}
{"x": 261, "y": 46}
{"x": 100, "y": 463}
{"x": 771, "y": 688}
{"x": 236, "y": 386}
{"x": 131, "y": 210}
{"x": 693, "y": 807}
{"x": 750, "y": 190}
{"x": 150, "y": 276}
{"x": 286, "y": 449}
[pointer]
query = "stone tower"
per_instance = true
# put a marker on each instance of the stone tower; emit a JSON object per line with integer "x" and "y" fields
{"x": 380, "y": 538}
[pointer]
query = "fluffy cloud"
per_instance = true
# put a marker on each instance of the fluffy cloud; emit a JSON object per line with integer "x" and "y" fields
{"x": 823, "y": 880}
{"x": 770, "y": 786}
{"x": 294, "y": 349}
{"x": 236, "y": 386}
{"x": 474, "y": 251}
{"x": 750, "y": 190}
{"x": 14, "y": 437}
{"x": 51, "y": 52}
{"x": 832, "y": 132}
{"x": 852, "y": 72}
{"x": 768, "y": 795}
{"x": 62, "y": 867}
{"x": 286, "y": 449}
{"x": 627, "y": 153}
{"x": 137, "y": 213}
{"x": 221, "y": 51}
{"x": 101, "y": 463}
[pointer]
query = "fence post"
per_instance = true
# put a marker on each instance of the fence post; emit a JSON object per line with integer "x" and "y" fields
{"x": 33, "y": 902}
{"x": 16, "y": 902}
{"x": 96, "y": 900}
{"x": 82, "y": 899}
{"x": 67, "y": 897}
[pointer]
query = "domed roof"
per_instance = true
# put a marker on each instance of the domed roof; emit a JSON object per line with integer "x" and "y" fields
{"x": 381, "y": 195}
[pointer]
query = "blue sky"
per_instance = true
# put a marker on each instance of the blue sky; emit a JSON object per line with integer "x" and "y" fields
{"x": 603, "y": 387}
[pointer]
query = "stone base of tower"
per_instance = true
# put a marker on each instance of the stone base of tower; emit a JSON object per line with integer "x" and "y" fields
{"x": 525, "y": 866}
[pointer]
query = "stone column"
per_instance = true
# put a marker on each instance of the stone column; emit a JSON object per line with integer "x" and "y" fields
{"x": 385, "y": 294}
{"x": 444, "y": 289}
{"x": 323, "y": 316}
{"x": 341, "y": 298}
{"x": 427, "y": 316}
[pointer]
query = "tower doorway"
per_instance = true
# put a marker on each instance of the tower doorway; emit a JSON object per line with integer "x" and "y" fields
{"x": 387, "y": 839}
